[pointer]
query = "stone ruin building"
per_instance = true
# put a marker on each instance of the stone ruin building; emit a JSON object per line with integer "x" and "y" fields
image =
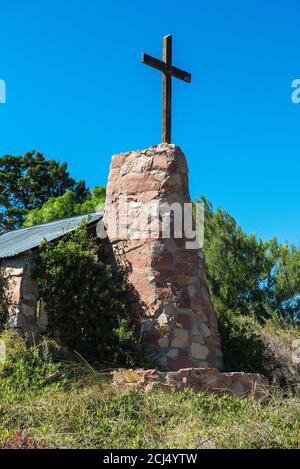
{"x": 178, "y": 325}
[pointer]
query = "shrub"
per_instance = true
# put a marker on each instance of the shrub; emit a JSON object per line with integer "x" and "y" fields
{"x": 255, "y": 347}
{"x": 242, "y": 344}
{"x": 277, "y": 362}
{"x": 26, "y": 369}
{"x": 85, "y": 300}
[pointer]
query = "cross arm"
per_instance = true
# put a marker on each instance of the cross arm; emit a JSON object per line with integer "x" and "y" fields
{"x": 163, "y": 67}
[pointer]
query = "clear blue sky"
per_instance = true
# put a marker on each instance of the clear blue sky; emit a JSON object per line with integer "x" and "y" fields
{"x": 77, "y": 92}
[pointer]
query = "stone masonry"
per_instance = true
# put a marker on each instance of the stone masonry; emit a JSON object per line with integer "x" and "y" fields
{"x": 207, "y": 380}
{"x": 23, "y": 297}
{"x": 177, "y": 322}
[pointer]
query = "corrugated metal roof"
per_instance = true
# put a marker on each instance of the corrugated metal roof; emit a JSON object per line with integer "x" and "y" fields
{"x": 16, "y": 242}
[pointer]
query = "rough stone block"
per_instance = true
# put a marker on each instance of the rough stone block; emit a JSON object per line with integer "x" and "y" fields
{"x": 199, "y": 351}
{"x": 180, "y": 338}
{"x": 207, "y": 380}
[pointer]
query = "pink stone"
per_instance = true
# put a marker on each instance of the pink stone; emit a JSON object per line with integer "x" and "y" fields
{"x": 184, "y": 301}
{"x": 152, "y": 339}
{"x": 114, "y": 174}
{"x": 141, "y": 257}
{"x": 184, "y": 279}
{"x": 147, "y": 197}
{"x": 171, "y": 183}
{"x": 160, "y": 162}
{"x": 180, "y": 338}
{"x": 182, "y": 361}
{"x": 180, "y": 242}
{"x": 182, "y": 164}
{"x": 112, "y": 188}
{"x": 184, "y": 182}
{"x": 163, "y": 277}
{"x": 164, "y": 261}
{"x": 186, "y": 256}
{"x": 138, "y": 182}
{"x": 117, "y": 161}
{"x": 163, "y": 342}
{"x": 165, "y": 294}
{"x": 14, "y": 290}
{"x": 142, "y": 286}
{"x": 30, "y": 285}
{"x": 183, "y": 321}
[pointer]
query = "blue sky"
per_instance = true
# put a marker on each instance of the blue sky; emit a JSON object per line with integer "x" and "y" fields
{"x": 77, "y": 92}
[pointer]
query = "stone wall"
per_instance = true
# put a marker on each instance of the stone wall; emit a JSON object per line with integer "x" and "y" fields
{"x": 208, "y": 380}
{"x": 168, "y": 281}
{"x": 23, "y": 297}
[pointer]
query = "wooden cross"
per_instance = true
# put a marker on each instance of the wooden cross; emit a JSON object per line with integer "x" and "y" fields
{"x": 169, "y": 71}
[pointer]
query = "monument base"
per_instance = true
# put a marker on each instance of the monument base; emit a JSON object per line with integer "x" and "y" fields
{"x": 165, "y": 271}
{"x": 208, "y": 380}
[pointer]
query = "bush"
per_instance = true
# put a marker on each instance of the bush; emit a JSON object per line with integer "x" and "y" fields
{"x": 242, "y": 345}
{"x": 85, "y": 300}
{"x": 25, "y": 369}
{"x": 255, "y": 347}
{"x": 278, "y": 364}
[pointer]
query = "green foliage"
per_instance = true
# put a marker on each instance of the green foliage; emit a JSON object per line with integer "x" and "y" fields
{"x": 65, "y": 206}
{"x": 255, "y": 289}
{"x": 255, "y": 347}
{"x": 25, "y": 370}
{"x": 4, "y": 301}
{"x": 246, "y": 275}
{"x": 85, "y": 300}
{"x": 242, "y": 345}
{"x": 278, "y": 365}
{"x": 27, "y": 182}
{"x": 287, "y": 281}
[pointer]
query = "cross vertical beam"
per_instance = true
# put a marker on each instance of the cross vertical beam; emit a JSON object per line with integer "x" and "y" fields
{"x": 168, "y": 71}
{"x": 167, "y": 91}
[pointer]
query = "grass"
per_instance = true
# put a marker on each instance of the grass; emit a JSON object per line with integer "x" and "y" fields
{"x": 101, "y": 416}
{"x": 43, "y": 404}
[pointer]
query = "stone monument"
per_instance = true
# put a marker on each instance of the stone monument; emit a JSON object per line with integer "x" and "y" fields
{"x": 176, "y": 318}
